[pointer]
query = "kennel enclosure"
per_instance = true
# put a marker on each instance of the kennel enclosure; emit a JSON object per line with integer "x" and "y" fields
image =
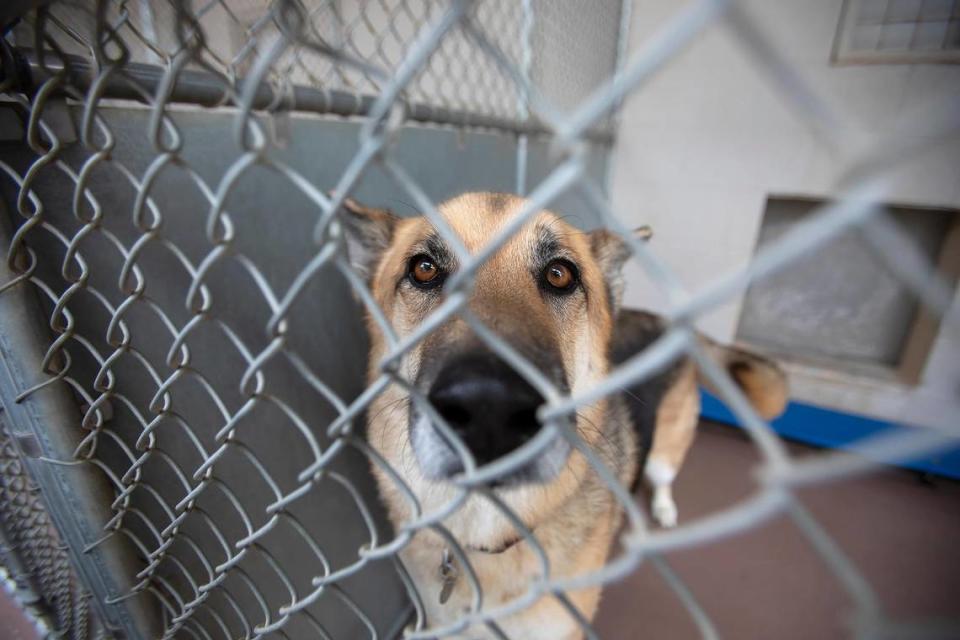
{"x": 183, "y": 351}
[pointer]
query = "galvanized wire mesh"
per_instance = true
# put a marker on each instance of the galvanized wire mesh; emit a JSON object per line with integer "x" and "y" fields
{"x": 33, "y": 554}
{"x": 188, "y": 461}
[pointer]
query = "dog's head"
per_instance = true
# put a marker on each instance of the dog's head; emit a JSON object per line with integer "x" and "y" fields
{"x": 550, "y": 292}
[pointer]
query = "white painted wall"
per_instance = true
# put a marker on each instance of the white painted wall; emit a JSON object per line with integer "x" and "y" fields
{"x": 708, "y": 139}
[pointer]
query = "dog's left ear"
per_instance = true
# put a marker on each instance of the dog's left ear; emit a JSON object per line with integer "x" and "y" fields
{"x": 611, "y": 251}
{"x": 368, "y": 232}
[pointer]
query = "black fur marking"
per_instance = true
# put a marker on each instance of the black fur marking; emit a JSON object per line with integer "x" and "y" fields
{"x": 547, "y": 248}
{"x": 738, "y": 369}
{"x": 498, "y": 202}
{"x": 434, "y": 246}
{"x": 633, "y": 332}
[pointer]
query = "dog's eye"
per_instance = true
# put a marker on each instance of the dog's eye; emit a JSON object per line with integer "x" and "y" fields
{"x": 561, "y": 276}
{"x": 424, "y": 272}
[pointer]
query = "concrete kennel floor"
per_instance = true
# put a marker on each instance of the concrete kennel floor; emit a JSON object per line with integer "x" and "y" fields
{"x": 13, "y": 624}
{"x": 767, "y": 583}
{"x": 901, "y": 531}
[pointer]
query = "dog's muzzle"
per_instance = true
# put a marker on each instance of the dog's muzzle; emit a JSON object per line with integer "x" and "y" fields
{"x": 493, "y": 410}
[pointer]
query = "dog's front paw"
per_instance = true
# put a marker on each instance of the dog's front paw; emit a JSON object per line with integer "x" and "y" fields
{"x": 664, "y": 510}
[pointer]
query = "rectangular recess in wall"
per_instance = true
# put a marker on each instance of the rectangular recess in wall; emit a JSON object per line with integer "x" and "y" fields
{"x": 839, "y": 307}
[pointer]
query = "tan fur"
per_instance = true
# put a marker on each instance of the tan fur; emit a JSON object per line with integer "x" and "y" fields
{"x": 574, "y": 517}
{"x": 677, "y": 419}
{"x": 765, "y": 388}
{"x": 761, "y": 380}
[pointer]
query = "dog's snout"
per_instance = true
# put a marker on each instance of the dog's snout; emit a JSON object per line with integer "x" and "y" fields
{"x": 489, "y": 406}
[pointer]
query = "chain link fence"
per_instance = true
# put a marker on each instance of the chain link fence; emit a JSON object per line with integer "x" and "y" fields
{"x": 204, "y": 457}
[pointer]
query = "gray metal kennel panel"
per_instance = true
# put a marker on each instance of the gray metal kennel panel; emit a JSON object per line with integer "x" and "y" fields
{"x": 272, "y": 223}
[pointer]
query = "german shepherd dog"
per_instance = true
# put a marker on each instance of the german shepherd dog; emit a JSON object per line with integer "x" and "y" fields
{"x": 553, "y": 293}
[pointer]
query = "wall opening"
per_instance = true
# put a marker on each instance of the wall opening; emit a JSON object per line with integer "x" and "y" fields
{"x": 839, "y": 307}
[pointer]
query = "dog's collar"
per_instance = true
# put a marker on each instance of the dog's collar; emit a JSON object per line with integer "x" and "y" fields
{"x": 509, "y": 544}
{"x": 450, "y": 574}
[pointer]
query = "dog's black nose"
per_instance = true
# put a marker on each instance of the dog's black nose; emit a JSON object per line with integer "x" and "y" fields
{"x": 487, "y": 404}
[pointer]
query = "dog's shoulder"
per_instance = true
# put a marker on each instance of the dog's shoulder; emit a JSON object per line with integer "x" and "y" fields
{"x": 634, "y": 330}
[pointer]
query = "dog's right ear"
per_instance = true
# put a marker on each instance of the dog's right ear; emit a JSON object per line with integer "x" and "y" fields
{"x": 368, "y": 233}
